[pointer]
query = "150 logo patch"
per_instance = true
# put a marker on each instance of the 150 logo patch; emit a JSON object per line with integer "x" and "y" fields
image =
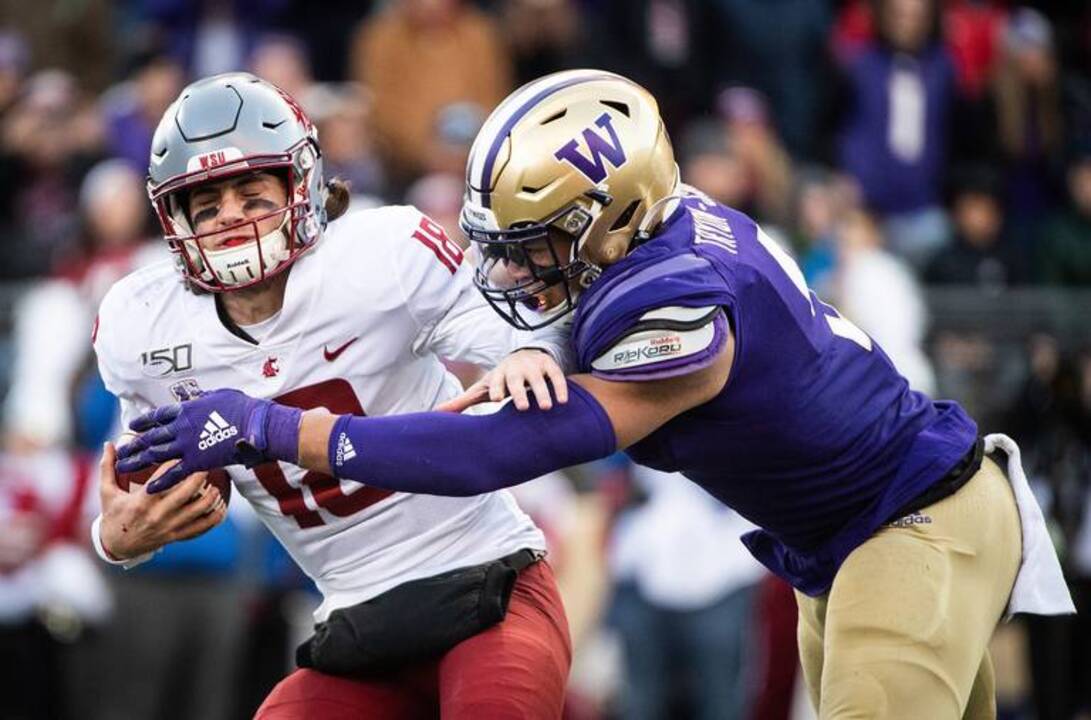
{"x": 164, "y": 361}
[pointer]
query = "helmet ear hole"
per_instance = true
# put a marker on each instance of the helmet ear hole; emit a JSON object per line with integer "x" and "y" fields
{"x": 626, "y": 216}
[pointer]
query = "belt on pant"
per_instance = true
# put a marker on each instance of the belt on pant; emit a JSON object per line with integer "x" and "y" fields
{"x": 947, "y": 485}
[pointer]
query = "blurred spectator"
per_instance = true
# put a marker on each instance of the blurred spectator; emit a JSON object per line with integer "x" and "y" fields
{"x": 44, "y": 413}
{"x": 738, "y": 160}
{"x": 327, "y": 35}
{"x": 981, "y": 254}
{"x": 1051, "y": 419}
{"x": 132, "y": 108}
{"x": 779, "y": 48}
{"x": 879, "y": 293}
{"x": 50, "y": 588}
{"x": 417, "y": 57}
{"x": 683, "y": 602}
{"x": 1028, "y": 103}
{"x": 708, "y": 160}
{"x": 894, "y": 133}
{"x": 544, "y": 36}
{"x": 282, "y": 60}
{"x": 180, "y": 624}
{"x": 754, "y": 137}
{"x": 671, "y": 47}
{"x": 974, "y": 33}
{"x": 853, "y": 30}
{"x": 822, "y": 199}
{"x": 456, "y": 127}
{"x": 342, "y": 114}
{"x": 439, "y": 196}
{"x": 77, "y": 37}
{"x": 14, "y": 60}
{"x": 973, "y": 30}
{"x": 213, "y": 36}
{"x": 1064, "y": 250}
{"x": 49, "y": 137}
{"x": 777, "y": 658}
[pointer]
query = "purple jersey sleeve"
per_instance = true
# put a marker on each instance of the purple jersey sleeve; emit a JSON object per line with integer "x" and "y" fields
{"x": 639, "y": 307}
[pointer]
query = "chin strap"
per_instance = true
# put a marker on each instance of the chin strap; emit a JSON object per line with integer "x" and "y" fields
{"x": 261, "y": 254}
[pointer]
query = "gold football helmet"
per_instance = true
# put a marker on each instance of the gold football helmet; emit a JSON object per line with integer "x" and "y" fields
{"x": 580, "y": 155}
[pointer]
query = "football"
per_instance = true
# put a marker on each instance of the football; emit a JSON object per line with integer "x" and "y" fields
{"x": 217, "y": 478}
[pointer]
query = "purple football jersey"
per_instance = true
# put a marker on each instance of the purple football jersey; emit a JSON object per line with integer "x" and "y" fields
{"x": 815, "y": 437}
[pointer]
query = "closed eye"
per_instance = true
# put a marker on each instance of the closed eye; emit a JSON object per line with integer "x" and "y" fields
{"x": 205, "y": 214}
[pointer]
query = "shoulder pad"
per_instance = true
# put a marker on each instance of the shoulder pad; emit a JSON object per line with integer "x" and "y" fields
{"x": 661, "y": 288}
{"x": 665, "y": 342}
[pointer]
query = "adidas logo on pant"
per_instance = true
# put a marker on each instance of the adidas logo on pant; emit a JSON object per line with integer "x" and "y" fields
{"x": 216, "y": 430}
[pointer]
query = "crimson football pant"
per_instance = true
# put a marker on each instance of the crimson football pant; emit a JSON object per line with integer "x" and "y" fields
{"x": 517, "y": 669}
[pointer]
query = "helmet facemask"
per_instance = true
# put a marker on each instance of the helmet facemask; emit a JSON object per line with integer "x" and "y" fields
{"x": 510, "y": 272}
{"x": 261, "y": 257}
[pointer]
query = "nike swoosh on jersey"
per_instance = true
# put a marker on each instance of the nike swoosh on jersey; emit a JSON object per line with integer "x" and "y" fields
{"x": 332, "y": 355}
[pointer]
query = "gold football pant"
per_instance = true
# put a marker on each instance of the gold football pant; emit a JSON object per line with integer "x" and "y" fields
{"x": 904, "y": 630}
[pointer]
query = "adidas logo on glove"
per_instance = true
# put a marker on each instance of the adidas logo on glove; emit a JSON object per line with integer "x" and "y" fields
{"x": 216, "y": 430}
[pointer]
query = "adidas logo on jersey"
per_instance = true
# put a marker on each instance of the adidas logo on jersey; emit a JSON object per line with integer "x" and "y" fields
{"x": 216, "y": 430}
{"x": 345, "y": 451}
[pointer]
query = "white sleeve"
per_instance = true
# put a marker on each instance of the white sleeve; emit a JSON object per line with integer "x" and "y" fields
{"x": 96, "y": 542}
{"x": 114, "y": 368}
{"x": 554, "y": 339}
{"x": 454, "y": 320}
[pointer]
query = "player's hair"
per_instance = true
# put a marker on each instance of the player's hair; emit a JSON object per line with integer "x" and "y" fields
{"x": 337, "y": 202}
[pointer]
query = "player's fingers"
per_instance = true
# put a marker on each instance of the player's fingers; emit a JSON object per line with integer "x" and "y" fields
{"x": 152, "y": 456}
{"x": 557, "y": 380}
{"x": 476, "y": 393}
{"x": 203, "y": 504}
{"x": 540, "y": 389}
{"x": 158, "y": 416}
{"x": 136, "y": 463}
{"x": 137, "y": 444}
{"x": 497, "y": 389}
{"x": 202, "y": 523}
{"x": 177, "y": 475}
{"x": 158, "y": 435}
{"x": 107, "y": 474}
{"x": 516, "y": 384}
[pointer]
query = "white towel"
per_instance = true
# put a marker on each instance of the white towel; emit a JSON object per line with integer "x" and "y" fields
{"x": 1040, "y": 588}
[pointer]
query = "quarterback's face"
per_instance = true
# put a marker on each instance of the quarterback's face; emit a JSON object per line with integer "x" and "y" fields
{"x": 543, "y": 257}
{"x": 223, "y": 205}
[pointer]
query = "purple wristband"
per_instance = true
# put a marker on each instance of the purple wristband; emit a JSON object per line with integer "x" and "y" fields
{"x": 282, "y": 433}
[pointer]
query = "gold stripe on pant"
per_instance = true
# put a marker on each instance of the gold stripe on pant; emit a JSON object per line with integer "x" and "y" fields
{"x": 904, "y": 630}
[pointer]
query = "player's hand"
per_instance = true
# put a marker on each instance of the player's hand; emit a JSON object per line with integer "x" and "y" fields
{"x": 213, "y": 430}
{"x": 137, "y": 522}
{"x": 515, "y": 373}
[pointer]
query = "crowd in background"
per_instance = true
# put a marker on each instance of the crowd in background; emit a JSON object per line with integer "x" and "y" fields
{"x": 902, "y": 150}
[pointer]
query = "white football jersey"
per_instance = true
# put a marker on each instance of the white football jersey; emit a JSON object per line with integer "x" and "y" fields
{"x": 367, "y": 314}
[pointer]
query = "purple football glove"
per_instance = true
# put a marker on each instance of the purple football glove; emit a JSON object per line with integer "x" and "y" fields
{"x": 213, "y": 430}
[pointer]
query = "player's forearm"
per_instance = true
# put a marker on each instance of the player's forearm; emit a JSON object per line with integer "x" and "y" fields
{"x": 450, "y": 454}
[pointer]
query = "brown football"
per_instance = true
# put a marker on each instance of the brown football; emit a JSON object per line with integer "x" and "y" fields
{"x": 217, "y": 478}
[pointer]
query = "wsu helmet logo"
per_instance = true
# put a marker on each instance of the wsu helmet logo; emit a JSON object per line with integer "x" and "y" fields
{"x": 602, "y": 150}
